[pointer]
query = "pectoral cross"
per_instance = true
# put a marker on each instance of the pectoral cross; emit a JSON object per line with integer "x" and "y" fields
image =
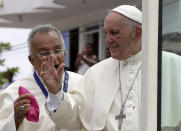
{"x": 120, "y": 117}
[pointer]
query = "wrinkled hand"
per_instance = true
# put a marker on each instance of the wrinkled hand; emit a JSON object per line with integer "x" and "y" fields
{"x": 51, "y": 76}
{"x": 19, "y": 114}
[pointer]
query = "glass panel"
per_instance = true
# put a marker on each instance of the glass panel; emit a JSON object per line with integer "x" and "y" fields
{"x": 171, "y": 66}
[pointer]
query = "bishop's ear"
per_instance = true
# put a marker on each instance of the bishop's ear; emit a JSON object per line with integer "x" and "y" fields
{"x": 31, "y": 59}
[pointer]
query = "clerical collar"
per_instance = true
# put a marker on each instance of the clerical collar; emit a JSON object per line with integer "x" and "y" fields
{"x": 134, "y": 58}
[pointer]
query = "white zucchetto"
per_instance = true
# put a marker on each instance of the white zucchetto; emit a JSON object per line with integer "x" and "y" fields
{"x": 129, "y": 11}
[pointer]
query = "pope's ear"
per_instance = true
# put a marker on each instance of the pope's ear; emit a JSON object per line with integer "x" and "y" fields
{"x": 31, "y": 59}
{"x": 138, "y": 33}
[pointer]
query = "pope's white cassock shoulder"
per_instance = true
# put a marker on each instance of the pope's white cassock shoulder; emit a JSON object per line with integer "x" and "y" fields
{"x": 98, "y": 99}
{"x": 8, "y": 96}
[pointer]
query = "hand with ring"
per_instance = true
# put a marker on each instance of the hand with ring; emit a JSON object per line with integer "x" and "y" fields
{"x": 21, "y": 106}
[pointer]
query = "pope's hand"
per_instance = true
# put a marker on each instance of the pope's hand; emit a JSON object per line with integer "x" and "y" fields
{"x": 51, "y": 75}
{"x": 21, "y": 106}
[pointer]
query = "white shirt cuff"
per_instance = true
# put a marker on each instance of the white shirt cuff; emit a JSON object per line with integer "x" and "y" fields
{"x": 54, "y": 101}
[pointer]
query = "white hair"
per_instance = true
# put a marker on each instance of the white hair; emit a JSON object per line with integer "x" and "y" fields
{"x": 131, "y": 23}
{"x": 42, "y": 28}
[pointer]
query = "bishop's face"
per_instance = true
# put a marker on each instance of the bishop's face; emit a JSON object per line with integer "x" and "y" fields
{"x": 43, "y": 42}
{"x": 119, "y": 36}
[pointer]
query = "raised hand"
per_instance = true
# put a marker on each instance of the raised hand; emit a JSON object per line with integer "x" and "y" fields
{"x": 51, "y": 75}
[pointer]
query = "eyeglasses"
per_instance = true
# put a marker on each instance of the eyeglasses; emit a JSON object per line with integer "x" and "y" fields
{"x": 49, "y": 52}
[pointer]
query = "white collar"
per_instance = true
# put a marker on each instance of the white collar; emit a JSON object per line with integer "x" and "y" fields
{"x": 134, "y": 59}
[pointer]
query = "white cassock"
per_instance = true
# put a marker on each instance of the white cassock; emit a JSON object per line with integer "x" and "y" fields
{"x": 98, "y": 99}
{"x": 171, "y": 92}
{"x": 8, "y": 96}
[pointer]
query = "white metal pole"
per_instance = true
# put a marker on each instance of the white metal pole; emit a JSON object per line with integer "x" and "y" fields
{"x": 149, "y": 66}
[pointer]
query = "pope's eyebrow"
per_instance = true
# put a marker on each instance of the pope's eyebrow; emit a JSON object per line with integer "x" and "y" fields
{"x": 114, "y": 31}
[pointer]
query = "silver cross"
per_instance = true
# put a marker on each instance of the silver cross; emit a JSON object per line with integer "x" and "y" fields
{"x": 120, "y": 117}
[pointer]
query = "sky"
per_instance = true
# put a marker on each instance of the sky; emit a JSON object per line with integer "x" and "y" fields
{"x": 18, "y": 56}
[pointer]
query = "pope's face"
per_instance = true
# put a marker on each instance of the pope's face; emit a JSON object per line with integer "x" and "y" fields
{"x": 45, "y": 41}
{"x": 119, "y": 36}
